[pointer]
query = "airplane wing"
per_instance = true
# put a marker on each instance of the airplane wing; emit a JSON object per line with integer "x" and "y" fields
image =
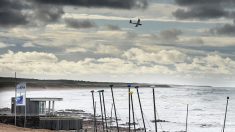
{"x": 138, "y": 23}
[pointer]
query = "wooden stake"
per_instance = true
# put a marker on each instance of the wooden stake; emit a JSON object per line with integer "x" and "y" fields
{"x": 225, "y": 114}
{"x": 142, "y": 113}
{"x": 94, "y": 108}
{"x": 115, "y": 111}
{"x": 187, "y": 120}
{"x": 155, "y": 116}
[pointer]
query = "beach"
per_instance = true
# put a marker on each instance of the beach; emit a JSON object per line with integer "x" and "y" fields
{"x": 12, "y": 128}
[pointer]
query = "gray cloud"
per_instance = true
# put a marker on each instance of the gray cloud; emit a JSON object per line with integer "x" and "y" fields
{"x": 11, "y": 13}
{"x": 42, "y": 12}
{"x": 124, "y": 4}
{"x": 171, "y": 34}
{"x": 208, "y": 9}
{"x": 47, "y": 13}
{"x": 23, "y": 12}
{"x": 200, "y": 12}
{"x": 197, "y": 2}
{"x": 74, "y": 23}
{"x": 205, "y": 9}
{"x": 227, "y": 29}
{"x": 12, "y": 17}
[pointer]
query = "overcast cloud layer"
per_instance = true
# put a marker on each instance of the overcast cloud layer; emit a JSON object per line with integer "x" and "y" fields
{"x": 182, "y": 42}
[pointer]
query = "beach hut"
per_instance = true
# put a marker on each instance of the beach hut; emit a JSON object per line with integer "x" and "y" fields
{"x": 36, "y": 106}
{"x": 41, "y": 114}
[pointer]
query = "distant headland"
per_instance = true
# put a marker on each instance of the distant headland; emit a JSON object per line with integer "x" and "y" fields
{"x": 38, "y": 83}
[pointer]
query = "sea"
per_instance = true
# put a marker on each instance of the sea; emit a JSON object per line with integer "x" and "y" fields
{"x": 206, "y": 105}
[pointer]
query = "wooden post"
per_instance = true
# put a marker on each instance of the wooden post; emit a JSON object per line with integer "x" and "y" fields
{"x": 101, "y": 109}
{"x": 129, "y": 107}
{"x": 115, "y": 111}
{"x": 94, "y": 109}
{"x": 187, "y": 120}
{"x": 133, "y": 113}
{"x": 225, "y": 114}
{"x": 141, "y": 110}
{"x": 25, "y": 109}
{"x": 95, "y": 118}
{"x": 105, "y": 117}
{"x": 155, "y": 116}
{"x": 15, "y": 97}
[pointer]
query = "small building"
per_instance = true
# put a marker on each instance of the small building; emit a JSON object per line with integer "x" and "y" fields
{"x": 41, "y": 114}
{"x": 36, "y": 106}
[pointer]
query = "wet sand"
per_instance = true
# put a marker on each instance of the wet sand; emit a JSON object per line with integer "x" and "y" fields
{"x": 11, "y": 128}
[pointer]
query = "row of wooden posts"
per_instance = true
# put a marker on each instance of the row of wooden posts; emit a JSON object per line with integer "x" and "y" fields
{"x": 131, "y": 110}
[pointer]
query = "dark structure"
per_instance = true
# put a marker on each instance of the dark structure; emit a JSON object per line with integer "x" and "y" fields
{"x": 36, "y": 106}
{"x": 60, "y": 123}
{"x": 41, "y": 114}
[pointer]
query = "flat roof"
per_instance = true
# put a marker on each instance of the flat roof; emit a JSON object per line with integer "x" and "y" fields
{"x": 45, "y": 99}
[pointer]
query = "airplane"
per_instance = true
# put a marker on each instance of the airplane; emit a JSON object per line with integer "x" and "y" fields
{"x": 137, "y": 23}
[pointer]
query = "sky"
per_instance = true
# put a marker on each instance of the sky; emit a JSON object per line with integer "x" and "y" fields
{"x": 179, "y": 42}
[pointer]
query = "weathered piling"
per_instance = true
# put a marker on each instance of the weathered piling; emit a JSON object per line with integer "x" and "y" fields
{"x": 225, "y": 114}
{"x": 186, "y": 129}
{"x": 133, "y": 112}
{"x": 141, "y": 110}
{"x": 105, "y": 117}
{"x": 115, "y": 111}
{"x": 95, "y": 119}
{"x": 129, "y": 107}
{"x": 15, "y": 97}
{"x": 101, "y": 109}
{"x": 154, "y": 105}
{"x": 94, "y": 109}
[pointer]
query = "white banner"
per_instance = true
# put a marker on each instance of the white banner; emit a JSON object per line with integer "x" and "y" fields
{"x": 21, "y": 94}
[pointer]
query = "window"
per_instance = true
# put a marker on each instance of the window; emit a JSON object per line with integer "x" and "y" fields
{"x": 42, "y": 107}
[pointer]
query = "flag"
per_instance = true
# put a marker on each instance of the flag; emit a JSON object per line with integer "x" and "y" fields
{"x": 21, "y": 94}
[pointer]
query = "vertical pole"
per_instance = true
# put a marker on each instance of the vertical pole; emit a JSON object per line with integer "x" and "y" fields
{"x": 53, "y": 107}
{"x": 133, "y": 113}
{"x": 25, "y": 109}
{"x": 95, "y": 119}
{"x": 129, "y": 107}
{"x": 46, "y": 111}
{"x": 49, "y": 110}
{"x": 105, "y": 117}
{"x": 142, "y": 114}
{"x": 15, "y": 97}
{"x": 92, "y": 92}
{"x": 225, "y": 114}
{"x": 111, "y": 118}
{"x": 186, "y": 130}
{"x": 101, "y": 109}
{"x": 154, "y": 104}
{"x": 115, "y": 111}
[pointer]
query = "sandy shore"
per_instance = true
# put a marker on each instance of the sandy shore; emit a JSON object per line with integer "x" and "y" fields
{"x": 11, "y": 128}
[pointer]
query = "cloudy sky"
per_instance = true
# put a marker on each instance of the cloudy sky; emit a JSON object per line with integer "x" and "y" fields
{"x": 180, "y": 41}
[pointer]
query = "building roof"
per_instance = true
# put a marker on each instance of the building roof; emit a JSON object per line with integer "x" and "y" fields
{"x": 45, "y": 99}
